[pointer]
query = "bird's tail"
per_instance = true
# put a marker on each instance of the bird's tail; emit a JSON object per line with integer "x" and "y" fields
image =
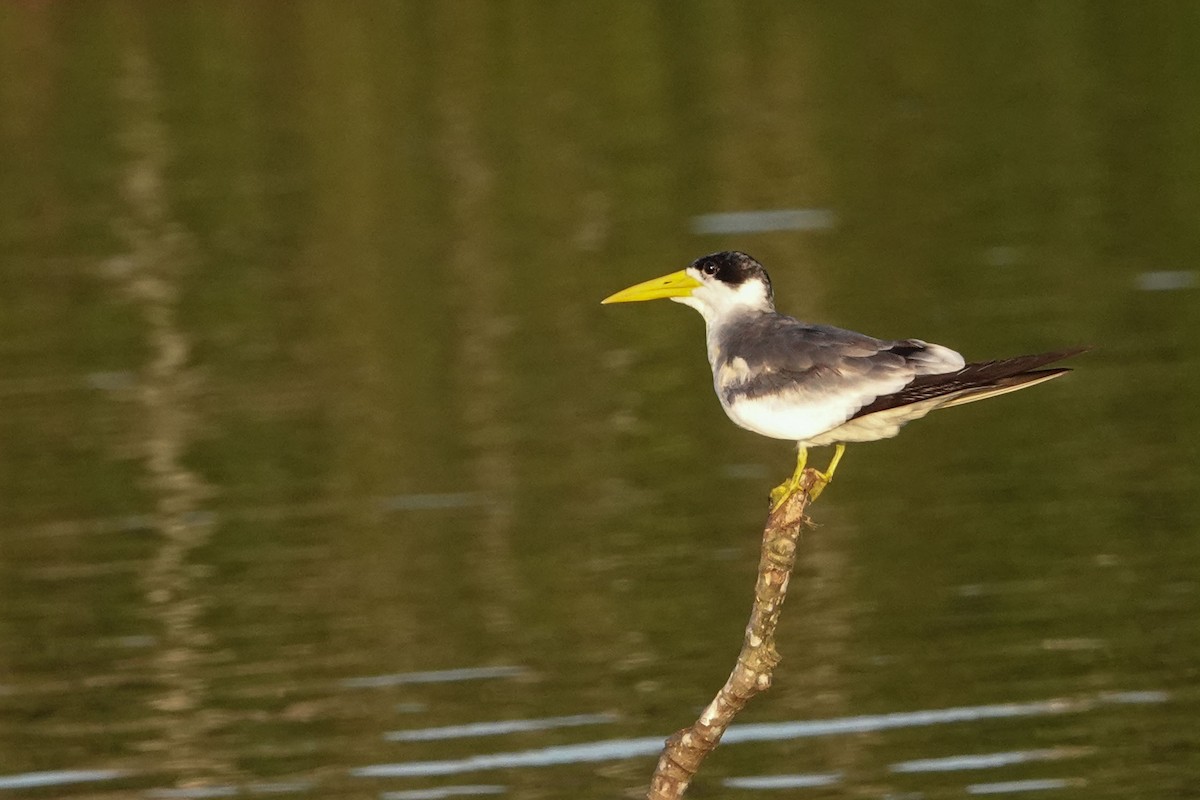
{"x": 986, "y": 379}
{"x": 977, "y": 381}
{"x": 1006, "y": 385}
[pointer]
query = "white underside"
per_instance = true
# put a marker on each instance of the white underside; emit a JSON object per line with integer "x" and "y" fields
{"x": 817, "y": 425}
{"x": 880, "y": 425}
{"x": 780, "y": 418}
{"x": 824, "y": 424}
{"x": 802, "y": 415}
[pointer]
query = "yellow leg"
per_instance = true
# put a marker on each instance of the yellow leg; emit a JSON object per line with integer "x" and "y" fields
{"x": 792, "y": 485}
{"x": 827, "y": 475}
{"x": 789, "y": 487}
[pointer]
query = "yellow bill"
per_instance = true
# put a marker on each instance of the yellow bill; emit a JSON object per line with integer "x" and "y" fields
{"x": 677, "y": 284}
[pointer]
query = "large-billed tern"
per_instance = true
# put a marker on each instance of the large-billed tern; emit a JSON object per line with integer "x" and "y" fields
{"x": 817, "y": 384}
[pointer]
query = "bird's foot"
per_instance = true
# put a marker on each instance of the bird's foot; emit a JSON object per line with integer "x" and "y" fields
{"x": 823, "y": 479}
{"x": 781, "y": 493}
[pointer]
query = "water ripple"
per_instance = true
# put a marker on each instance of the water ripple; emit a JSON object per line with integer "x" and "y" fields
{"x": 618, "y": 749}
{"x": 496, "y": 728}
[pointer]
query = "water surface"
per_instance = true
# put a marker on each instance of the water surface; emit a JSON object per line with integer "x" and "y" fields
{"x": 325, "y": 474}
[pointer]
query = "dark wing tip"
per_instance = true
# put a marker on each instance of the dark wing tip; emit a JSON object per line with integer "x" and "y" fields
{"x": 1010, "y": 366}
{"x": 979, "y": 375}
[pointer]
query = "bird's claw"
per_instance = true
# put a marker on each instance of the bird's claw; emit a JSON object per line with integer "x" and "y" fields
{"x": 781, "y": 493}
{"x": 819, "y": 485}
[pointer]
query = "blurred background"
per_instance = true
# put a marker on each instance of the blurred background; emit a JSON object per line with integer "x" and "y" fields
{"x": 324, "y": 473}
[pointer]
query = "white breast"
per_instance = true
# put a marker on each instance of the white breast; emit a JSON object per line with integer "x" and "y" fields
{"x": 789, "y": 417}
{"x": 808, "y": 409}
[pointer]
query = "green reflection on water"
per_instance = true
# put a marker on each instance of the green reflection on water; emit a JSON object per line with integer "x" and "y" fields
{"x": 268, "y": 270}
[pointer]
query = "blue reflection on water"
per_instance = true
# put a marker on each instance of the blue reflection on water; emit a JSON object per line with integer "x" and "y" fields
{"x": 192, "y": 792}
{"x": 432, "y": 501}
{"x": 284, "y": 787}
{"x": 778, "y": 219}
{"x": 799, "y": 781}
{"x": 58, "y": 777}
{"x": 444, "y": 791}
{"x": 496, "y": 728}
{"x": 617, "y": 749}
{"x": 988, "y": 760}
{"x": 434, "y": 676}
{"x": 1009, "y": 787}
{"x": 1168, "y": 280}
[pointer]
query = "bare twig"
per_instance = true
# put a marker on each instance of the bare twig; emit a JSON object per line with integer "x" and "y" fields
{"x": 686, "y": 749}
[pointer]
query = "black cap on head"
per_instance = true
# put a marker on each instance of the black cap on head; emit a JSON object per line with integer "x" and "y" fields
{"x": 732, "y": 267}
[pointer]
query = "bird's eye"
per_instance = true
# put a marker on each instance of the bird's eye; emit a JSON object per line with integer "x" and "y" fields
{"x": 709, "y": 268}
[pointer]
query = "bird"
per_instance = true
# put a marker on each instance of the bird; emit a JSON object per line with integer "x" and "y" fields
{"x": 819, "y": 385}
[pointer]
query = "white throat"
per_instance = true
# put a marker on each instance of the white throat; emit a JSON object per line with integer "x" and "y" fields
{"x": 718, "y": 302}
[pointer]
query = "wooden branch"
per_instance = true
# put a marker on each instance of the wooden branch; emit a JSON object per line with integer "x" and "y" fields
{"x": 684, "y": 751}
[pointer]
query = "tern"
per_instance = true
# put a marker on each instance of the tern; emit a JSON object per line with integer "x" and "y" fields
{"x": 818, "y": 385}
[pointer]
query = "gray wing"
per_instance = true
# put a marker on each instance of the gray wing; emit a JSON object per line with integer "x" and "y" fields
{"x": 820, "y": 364}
